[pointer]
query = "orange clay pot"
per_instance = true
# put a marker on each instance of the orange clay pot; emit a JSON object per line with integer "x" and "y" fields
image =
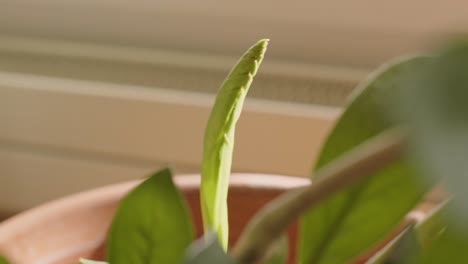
{"x": 62, "y": 231}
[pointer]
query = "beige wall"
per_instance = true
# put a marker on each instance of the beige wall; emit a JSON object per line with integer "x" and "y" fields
{"x": 360, "y": 33}
{"x": 80, "y": 106}
{"x": 59, "y": 136}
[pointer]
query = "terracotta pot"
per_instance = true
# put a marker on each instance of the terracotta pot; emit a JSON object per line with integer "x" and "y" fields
{"x": 61, "y": 231}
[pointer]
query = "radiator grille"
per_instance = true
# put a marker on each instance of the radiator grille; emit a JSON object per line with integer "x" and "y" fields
{"x": 314, "y": 85}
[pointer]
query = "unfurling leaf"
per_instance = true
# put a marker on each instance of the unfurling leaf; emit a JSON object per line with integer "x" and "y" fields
{"x": 219, "y": 141}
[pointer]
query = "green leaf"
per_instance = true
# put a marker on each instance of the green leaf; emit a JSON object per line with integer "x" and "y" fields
{"x": 404, "y": 249}
{"x": 152, "y": 224}
{"x": 432, "y": 225}
{"x": 4, "y": 260}
{"x": 450, "y": 247}
{"x": 350, "y": 222}
{"x": 409, "y": 245}
{"x": 87, "y": 261}
{"x": 208, "y": 251}
{"x": 435, "y": 107}
{"x": 219, "y": 141}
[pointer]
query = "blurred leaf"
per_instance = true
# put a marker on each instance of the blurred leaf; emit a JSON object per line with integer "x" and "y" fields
{"x": 87, "y": 261}
{"x": 409, "y": 245}
{"x": 279, "y": 252}
{"x": 4, "y": 260}
{"x": 152, "y": 224}
{"x": 344, "y": 226}
{"x": 450, "y": 247}
{"x": 432, "y": 226}
{"x": 435, "y": 106}
{"x": 207, "y": 251}
{"x": 404, "y": 249}
{"x": 219, "y": 141}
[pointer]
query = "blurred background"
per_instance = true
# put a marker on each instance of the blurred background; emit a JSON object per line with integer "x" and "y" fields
{"x": 97, "y": 92}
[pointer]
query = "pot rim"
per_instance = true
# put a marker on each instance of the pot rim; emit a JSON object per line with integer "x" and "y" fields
{"x": 112, "y": 192}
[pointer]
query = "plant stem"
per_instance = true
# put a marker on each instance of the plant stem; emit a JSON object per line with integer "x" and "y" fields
{"x": 354, "y": 166}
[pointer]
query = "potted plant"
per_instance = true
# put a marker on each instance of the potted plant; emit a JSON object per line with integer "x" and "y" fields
{"x": 401, "y": 136}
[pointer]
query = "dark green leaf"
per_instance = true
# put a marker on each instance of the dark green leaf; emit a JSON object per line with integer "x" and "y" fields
{"x": 207, "y": 251}
{"x": 352, "y": 221}
{"x": 152, "y": 224}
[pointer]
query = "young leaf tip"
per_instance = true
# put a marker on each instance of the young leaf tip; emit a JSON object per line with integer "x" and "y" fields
{"x": 218, "y": 143}
{"x": 264, "y": 42}
{"x": 261, "y": 46}
{"x": 256, "y": 52}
